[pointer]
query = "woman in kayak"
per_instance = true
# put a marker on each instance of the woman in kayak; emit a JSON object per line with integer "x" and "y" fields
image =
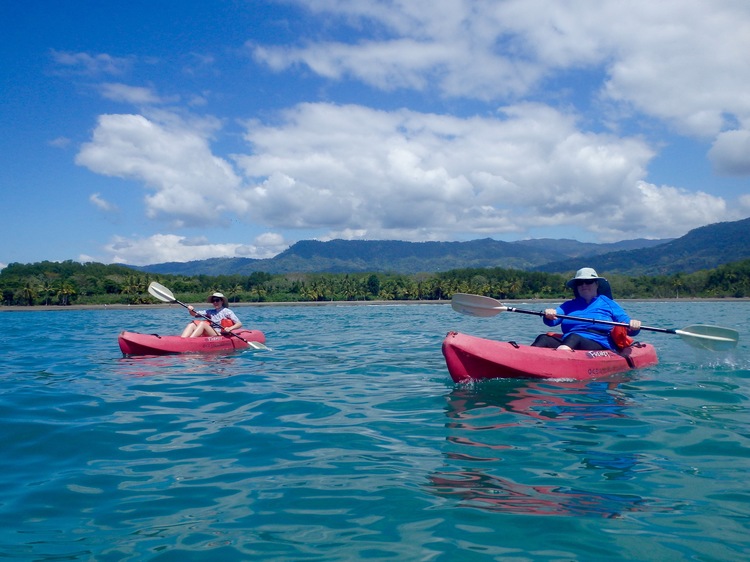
{"x": 221, "y": 319}
{"x": 593, "y": 299}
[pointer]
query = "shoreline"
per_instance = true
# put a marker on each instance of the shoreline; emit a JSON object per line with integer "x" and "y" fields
{"x": 55, "y": 307}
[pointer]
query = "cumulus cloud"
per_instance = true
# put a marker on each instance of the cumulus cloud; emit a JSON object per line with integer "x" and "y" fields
{"x": 675, "y": 60}
{"x": 173, "y": 159}
{"x": 351, "y": 171}
{"x": 663, "y": 212}
{"x": 161, "y": 248}
{"x": 730, "y": 153}
{"x": 416, "y": 176}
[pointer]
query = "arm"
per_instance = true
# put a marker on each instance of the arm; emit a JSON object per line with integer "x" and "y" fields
{"x": 619, "y": 315}
{"x": 550, "y": 316}
{"x": 193, "y": 312}
{"x": 233, "y": 317}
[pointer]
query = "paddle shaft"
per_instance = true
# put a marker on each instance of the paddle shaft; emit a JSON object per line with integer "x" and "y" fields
{"x": 591, "y": 320}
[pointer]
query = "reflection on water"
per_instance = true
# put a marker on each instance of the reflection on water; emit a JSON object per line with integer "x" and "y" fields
{"x": 490, "y": 434}
{"x": 179, "y": 364}
{"x": 542, "y": 400}
{"x": 476, "y": 489}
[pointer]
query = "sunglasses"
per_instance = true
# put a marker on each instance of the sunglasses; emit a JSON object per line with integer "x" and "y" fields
{"x": 586, "y": 282}
{"x": 216, "y": 300}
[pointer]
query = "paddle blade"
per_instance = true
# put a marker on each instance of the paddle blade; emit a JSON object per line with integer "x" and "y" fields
{"x": 160, "y": 292}
{"x": 714, "y": 338}
{"x": 476, "y": 305}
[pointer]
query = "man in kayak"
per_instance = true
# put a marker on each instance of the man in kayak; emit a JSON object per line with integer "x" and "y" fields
{"x": 593, "y": 299}
{"x": 221, "y": 315}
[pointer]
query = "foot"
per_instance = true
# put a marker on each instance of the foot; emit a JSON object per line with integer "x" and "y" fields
{"x": 564, "y": 348}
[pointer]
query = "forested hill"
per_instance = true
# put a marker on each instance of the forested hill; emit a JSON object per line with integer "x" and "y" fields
{"x": 356, "y": 256}
{"x": 703, "y": 248}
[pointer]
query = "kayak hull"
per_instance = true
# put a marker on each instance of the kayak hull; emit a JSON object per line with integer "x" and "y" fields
{"x": 134, "y": 343}
{"x": 470, "y": 359}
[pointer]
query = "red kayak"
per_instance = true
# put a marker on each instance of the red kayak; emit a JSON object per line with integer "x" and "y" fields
{"x": 133, "y": 343}
{"x": 470, "y": 358}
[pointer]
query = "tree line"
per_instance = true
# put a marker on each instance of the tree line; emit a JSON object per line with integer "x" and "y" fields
{"x": 69, "y": 282}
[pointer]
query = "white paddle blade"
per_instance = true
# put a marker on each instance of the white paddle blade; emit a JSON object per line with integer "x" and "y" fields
{"x": 160, "y": 292}
{"x": 476, "y": 305}
{"x": 714, "y": 338}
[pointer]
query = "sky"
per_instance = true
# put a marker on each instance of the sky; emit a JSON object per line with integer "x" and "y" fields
{"x": 144, "y": 132}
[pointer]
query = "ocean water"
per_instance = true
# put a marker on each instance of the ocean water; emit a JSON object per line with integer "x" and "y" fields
{"x": 349, "y": 441}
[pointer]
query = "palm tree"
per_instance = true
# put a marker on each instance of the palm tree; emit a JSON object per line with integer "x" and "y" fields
{"x": 29, "y": 293}
{"x": 65, "y": 291}
{"x": 46, "y": 288}
{"x": 234, "y": 293}
{"x": 259, "y": 291}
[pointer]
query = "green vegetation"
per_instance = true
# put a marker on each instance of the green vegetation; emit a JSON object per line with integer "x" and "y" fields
{"x": 66, "y": 283}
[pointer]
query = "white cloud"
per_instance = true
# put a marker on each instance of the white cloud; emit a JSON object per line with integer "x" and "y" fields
{"x": 664, "y": 212}
{"x": 102, "y": 204}
{"x": 414, "y": 176}
{"x": 356, "y": 172}
{"x": 348, "y": 171}
{"x": 90, "y": 64}
{"x": 131, "y": 94}
{"x": 678, "y": 61}
{"x": 173, "y": 159}
{"x": 730, "y": 153}
{"x": 161, "y": 248}
{"x": 60, "y": 142}
{"x": 674, "y": 60}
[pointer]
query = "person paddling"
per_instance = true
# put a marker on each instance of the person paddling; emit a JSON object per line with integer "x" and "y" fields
{"x": 221, "y": 315}
{"x": 593, "y": 299}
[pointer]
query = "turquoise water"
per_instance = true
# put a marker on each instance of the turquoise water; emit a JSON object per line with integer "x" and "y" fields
{"x": 349, "y": 441}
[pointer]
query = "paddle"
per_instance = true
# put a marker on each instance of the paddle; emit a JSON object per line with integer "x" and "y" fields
{"x": 163, "y": 294}
{"x": 714, "y": 338}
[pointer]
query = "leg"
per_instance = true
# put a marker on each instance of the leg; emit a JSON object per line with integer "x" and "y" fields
{"x": 189, "y": 329}
{"x": 203, "y": 329}
{"x": 576, "y": 341}
{"x": 545, "y": 340}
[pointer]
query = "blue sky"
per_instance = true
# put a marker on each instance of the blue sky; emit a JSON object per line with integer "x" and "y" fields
{"x": 145, "y": 132}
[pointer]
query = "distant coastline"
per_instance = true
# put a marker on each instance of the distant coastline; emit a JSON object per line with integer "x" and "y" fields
{"x": 55, "y": 307}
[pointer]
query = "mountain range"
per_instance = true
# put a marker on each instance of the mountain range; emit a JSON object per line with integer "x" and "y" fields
{"x": 702, "y": 248}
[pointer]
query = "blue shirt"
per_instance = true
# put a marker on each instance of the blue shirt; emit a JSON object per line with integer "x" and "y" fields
{"x": 600, "y": 308}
